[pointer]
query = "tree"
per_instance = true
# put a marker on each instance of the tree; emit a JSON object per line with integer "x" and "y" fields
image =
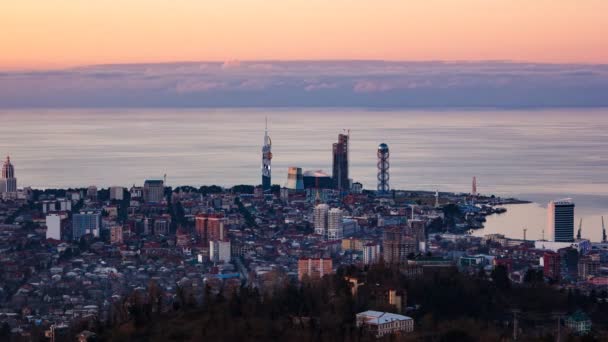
{"x": 500, "y": 277}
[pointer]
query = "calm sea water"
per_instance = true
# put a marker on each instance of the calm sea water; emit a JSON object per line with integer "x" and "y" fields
{"x": 537, "y": 154}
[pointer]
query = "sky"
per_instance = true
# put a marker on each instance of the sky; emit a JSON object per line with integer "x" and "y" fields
{"x": 66, "y": 33}
{"x": 343, "y": 83}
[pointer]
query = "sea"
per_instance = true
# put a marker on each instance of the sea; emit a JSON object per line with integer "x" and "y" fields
{"x": 535, "y": 155}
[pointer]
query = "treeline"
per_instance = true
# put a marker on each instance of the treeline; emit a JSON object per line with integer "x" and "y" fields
{"x": 446, "y": 306}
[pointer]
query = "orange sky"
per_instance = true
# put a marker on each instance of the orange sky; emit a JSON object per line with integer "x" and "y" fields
{"x": 58, "y": 33}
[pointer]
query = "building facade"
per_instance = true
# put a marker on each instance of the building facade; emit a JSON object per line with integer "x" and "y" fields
{"x": 219, "y": 251}
{"x": 340, "y": 163}
{"x": 86, "y": 223}
{"x": 210, "y": 227}
{"x": 334, "y": 224}
{"x": 54, "y": 225}
{"x": 320, "y": 214}
{"x": 8, "y": 182}
{"x": 117, "y": 193}
{"x": 116, "y": 234}
{"x": 561, "y": 220}
{"x": 266, "y": 160}
{"x": 381, "y": 324}
{"x": 295, "y": 179}
{"x": 397, "y": 245}
{"x": 154, "y": 191}
{"x": 314, "y": 268}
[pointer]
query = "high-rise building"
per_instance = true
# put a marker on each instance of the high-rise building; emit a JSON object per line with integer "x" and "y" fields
{"x": 266, "y": 159}
{"x": 561, "y": 220}
{"x": 340, "y": 163}
{"x": 54, "y": 225}
{"x": 219, "y": 251}
{"x": 397, "y": 245}
{"x": 86, "y": 223}
{"x": 117, "y": 193}
{"x": 383, "y": 166}
{"x": 314, "y": 268}
{"x": 116, "y": 236}
{"x": 92, "y": 193}
{"x": 334, "y": 224}
{"x": 295, "y": 179}
{"x": 8, "y": 182}
{"x": 320, "y": 219}
{"x": 551, "y": 265}
{"x": 161, "y": 226}
{"x": 371, "y": 253}
{"x": 154, "y": 191}
{"x": 210, "y": 227}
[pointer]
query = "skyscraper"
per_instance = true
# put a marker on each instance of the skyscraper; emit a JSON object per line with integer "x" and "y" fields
{"x": 397, "y": 245}
{"x": 295, "y": 179}
{"x": 266, "y": 158}
{"x": 210, "y": 227}
{"x": 86, "y": 223}
{"x": 383, "y": 166}
{"x": 340, "y": 163}
{"x": 320, "y": 219}
{"x": 334, "y": 224}
{"x": 561, "y": 220}
{"x": 9, "y": 182}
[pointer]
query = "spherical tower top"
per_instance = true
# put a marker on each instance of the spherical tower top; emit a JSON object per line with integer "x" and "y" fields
{"x": 8, "y": 171}
{"x": 383, "y": 147}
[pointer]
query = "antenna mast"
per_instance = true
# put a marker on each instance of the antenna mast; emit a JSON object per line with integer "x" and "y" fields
{"x": 603, "y": 231}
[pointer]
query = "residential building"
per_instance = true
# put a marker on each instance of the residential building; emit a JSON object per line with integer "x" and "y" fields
{"x": 210, "y": 227}
{"x": 219, "y": 251}
{"x": 371, "y": 253}
{"x": 314, "y": 268}
{"x": 334, "y": 224}
{"x": 154, "y": 191}
{"x": 588, "y": 266}
{"x": 54, "y": 225}
{"x": 92, "y": 193}
{"x": 320, "y": 214}
{"x": 381, "y": 324}
{"x": 116, "y": 236}
{"x": 397, "y": 245}
{"x": 86, "y": 223}
{"x": 579, "y": 323}
{"x": 117, "y": 193}
{"x": 551, "y": 265}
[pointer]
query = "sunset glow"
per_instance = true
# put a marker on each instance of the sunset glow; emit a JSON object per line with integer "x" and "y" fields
{"x": 43, "y": 34}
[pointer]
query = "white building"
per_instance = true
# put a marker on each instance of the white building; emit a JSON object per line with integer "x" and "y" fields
{"x": 53, "y": 226}
{"x": 384, "y": 323}
{"x": 371, "y": 253}
{"x": 334, "y": 224}
{"x": 116, "y": 193}
{"x": 320, "y": 219}
{"x": 560, "y": 220}
{"x": 219, "y": 251}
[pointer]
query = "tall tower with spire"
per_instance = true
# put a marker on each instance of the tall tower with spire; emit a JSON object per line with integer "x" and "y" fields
{"x": 8, "y": 183}
{"x": 266, "y": 158}
{"x": 474, "y": 187}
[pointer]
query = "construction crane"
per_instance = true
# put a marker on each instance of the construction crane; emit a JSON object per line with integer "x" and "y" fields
{"x": 580, "y": 227}
{"x": 603, "y": 231}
